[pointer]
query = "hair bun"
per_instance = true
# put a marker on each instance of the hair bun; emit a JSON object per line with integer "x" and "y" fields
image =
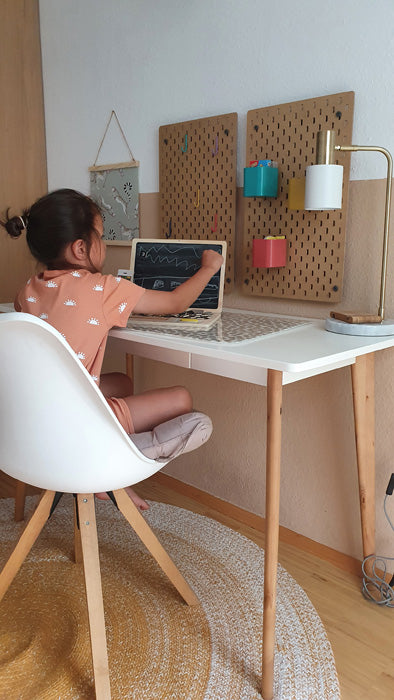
{"x": 15, "y": 226}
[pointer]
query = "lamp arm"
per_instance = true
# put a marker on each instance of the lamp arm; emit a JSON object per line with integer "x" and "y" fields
{"x": 386, "y": 214}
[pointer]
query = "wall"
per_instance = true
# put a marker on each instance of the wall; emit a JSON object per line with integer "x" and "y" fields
{"x": 161, "y": 62}
{"x": 157, "y": 63}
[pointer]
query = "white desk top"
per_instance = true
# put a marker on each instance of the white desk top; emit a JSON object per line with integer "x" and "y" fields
{"x": 299, "y": 352}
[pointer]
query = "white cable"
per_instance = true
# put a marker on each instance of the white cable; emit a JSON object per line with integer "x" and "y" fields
{"x": 375, "y": 588}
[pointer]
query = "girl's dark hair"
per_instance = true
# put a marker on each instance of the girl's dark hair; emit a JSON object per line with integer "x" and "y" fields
{"x": 52, "y": 222}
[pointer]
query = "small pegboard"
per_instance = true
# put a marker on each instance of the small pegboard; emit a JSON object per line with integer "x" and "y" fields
{"x": 198, "y": 182}
{"x": 315, "y": 240}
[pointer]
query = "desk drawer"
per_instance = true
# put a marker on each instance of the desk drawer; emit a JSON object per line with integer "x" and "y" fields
{"x": 181, "y": 358}
{"x": 232, "y": 370}
{"x": 172, "y": 357}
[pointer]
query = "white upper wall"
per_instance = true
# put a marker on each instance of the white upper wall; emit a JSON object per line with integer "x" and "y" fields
{"x": 162, "y": 61}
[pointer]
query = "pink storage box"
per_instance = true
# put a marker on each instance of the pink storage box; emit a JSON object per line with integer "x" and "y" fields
{"x": 269, "y": 252}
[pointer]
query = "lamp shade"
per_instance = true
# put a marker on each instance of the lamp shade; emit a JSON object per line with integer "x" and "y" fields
{"x": 323, "y": 187}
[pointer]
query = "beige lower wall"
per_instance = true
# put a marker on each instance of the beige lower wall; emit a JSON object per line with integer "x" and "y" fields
{"x": 319, "y": 497}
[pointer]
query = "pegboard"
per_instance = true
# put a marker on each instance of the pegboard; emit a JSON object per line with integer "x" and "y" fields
{"x": 197, "y": 171}
{"x": 315, "y": 240}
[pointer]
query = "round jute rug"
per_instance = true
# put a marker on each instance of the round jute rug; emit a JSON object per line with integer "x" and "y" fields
{"x": 159, "y": 648}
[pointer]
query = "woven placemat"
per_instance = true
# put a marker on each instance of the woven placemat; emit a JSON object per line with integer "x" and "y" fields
{"x": 159, "y": 648}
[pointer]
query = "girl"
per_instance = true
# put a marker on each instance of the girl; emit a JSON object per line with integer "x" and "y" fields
{"x": 64, "y": 231}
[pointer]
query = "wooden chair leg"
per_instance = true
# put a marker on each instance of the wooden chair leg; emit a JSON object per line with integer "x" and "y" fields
{"x": 147, "y": 536}
{"x": 94, "y": 595}
{"x": 20, "y": 496}
{"x": 78, "y": 557}
{"x": 26, "y": 541}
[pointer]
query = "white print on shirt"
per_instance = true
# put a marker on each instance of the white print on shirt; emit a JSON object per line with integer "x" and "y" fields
{"x": 93, "y": 321}
{"x": 75, "y": 273}
{"x": 32, "y": 299}
{"x": 81, "y": 355}
{"x": 122, "y": 306}
{"x": 98, "y": 288}
{"x": 117, "y": 279}
{"x": 51, "y": 284}
{"x": 44, "y": 316}
{"x": 70, "y": 302}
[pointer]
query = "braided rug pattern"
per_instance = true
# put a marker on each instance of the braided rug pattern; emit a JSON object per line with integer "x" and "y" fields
{"x": 159, "y": 648}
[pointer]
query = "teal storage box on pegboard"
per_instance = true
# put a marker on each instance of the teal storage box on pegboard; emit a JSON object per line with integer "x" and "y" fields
{"x": 261, "y": 181}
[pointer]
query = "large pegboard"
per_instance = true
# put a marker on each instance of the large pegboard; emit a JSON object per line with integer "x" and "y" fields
{"x": 315, "y": 240}
{"x": 197, "y": 170}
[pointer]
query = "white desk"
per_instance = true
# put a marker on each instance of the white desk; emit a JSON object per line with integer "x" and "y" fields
{"x": 274, "y": 361}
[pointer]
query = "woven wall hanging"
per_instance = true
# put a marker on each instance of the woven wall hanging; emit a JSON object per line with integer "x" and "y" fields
{"x": 115, "y": 189}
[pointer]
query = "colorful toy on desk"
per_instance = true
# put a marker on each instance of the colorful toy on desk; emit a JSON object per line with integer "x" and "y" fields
{"x": 263, "y": 163}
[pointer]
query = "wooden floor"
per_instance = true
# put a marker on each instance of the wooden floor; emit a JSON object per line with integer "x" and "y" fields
{"x": 361, "y": 634}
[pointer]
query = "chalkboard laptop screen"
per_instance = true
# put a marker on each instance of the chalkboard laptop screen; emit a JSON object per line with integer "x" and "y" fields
{"x": 164, "y": 264}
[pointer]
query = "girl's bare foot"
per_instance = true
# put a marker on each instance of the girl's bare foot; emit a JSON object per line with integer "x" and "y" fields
{"x": 137, "y": 500}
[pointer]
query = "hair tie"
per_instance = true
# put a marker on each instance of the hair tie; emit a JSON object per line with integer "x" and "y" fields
{"x": 22, "y": 220}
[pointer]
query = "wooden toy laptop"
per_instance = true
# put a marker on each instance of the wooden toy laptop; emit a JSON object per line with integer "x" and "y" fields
{"x": 163, "y": 265}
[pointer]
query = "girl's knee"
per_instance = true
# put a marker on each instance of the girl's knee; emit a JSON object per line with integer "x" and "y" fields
{"x": 183, "y": 399}
{"x": 116, "y": 385}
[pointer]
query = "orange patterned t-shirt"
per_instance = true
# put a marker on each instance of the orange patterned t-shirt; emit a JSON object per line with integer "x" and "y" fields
{"x": 83, "y": 306}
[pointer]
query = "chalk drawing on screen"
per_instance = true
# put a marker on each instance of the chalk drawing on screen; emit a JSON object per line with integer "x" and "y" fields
{"x": 166, "y": 265}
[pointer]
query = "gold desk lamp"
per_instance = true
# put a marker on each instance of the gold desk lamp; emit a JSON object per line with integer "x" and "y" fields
{"x": 323, "y": 191}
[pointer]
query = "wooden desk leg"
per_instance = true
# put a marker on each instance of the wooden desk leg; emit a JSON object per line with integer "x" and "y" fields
{"x": 364, "y": 424}
{"x": 129, "y": 367}
{"x": 274, "y": 429}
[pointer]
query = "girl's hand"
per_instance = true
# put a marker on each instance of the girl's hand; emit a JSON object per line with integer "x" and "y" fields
{"x": 211, "y": 260}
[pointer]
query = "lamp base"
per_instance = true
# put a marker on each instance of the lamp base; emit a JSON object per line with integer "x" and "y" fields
{"x": 385, "y": 327}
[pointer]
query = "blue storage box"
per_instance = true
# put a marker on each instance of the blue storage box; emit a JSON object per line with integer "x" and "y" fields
{"x": 261, "y": 181}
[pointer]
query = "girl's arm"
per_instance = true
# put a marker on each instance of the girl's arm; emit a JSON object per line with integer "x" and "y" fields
{"x": 155, "y": 302}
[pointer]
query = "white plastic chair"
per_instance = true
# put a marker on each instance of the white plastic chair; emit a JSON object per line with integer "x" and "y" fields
{"x": 58, "y": 433}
